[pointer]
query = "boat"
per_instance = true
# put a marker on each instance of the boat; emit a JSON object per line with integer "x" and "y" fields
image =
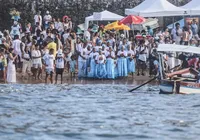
{"x": 184, "y": 81}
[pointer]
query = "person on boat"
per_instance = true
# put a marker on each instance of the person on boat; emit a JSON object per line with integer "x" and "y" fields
{"x": 110, "y": 67}
{"x": 130, "y": 60}
{"x": 184, "y": 60}
{"x": 193, "y": 62}
{"x": 122, "y": 62}
{"x": 142, "y": 57}
{"x": 101, "y": 65}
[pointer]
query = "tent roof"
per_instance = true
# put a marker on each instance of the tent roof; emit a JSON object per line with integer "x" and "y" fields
{"x": 193, "y": 7}
{"x": 106, "y": 15}
{"x": 156, "y": 8}
{"x": 178, "y": 48}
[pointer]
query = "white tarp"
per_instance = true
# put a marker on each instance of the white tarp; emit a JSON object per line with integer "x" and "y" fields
{"x": 193, "y": 7}
{"x": 178, "y": 48}
{"x": 102, "y": 16}
{"x": 156, "y": 8}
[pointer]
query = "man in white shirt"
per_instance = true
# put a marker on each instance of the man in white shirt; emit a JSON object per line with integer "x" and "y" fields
{"x": 177, "y": 34}
{"x": 17, "y": 46}
{"x": 37, "y": 62}
{"x": 49, "y": 63}
{"x": 38, "y": 19}
{"x": 60, "y": 64}
{"x": 142, "y": 58}
{"x": 47, "y": 19}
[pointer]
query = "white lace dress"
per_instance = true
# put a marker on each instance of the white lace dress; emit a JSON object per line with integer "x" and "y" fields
{"x": 11, "y": 72}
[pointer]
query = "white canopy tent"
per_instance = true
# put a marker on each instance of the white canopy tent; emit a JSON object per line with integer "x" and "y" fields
{"x": 193, "y": 7}
{"x": 156, "y": 8}
{"x": 102, "y": 16}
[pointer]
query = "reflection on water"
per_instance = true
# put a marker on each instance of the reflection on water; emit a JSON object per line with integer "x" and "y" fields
{"x": 96, "y": 112}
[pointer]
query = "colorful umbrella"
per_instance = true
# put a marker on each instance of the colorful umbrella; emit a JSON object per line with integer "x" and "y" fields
{"x": 132, "y": 20}
{"x": 111, "y": 25}
{"x": 116, "y": 26}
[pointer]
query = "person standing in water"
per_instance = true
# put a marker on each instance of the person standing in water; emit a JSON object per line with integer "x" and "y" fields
{"x": 11, "y": 72}
{"x": 3, "y": 64}
{"x": 49, "y": 63}
{"x": 110, "y": 67}
{"x": 130, "y": 60}
{"x": 37, "y": 62}
{"x": 101, "y": 67}
{"x": 122, "y": 63}
{"x": 59, "y": 65}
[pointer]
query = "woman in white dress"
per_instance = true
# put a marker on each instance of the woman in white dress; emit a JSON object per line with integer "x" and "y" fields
{"x": 11, "y": 70}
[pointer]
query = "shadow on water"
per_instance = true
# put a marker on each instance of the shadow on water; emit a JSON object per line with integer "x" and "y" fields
{"x": 94, "y": 112}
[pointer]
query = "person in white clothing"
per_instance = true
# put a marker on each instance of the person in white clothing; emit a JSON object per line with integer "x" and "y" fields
{"x": 26, "y": 62}
{"x": 11, "y": 70}
{"x": 17, "y": 46}
{"x": 59, "y": 26}
{"x": 48, "y": 61}
{"x": 177, "y": 34}
{"x": 37, "y": 62}
{"x": 47, "y": 20}
{"x": 38, "y": 19}
{"x": 142, "y": 52}
{"x": 60, "y": 63}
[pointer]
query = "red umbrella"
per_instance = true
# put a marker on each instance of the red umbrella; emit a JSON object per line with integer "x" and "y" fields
{"x": 132, "y": 20}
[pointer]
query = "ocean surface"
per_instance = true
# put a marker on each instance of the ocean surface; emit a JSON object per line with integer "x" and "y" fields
{"x": 96, "y": 112}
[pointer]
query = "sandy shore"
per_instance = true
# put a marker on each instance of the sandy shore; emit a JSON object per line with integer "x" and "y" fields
{"x": 135, "y": 80}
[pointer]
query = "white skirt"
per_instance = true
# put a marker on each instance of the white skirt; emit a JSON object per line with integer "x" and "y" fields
{"x": 11, "y": 73}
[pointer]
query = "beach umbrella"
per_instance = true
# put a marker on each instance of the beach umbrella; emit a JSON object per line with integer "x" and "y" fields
{"x": 131, "y": 19}
{"x": 116, "y": 26}
{"x": 111, "y": 25}
{"x": 123, "y": 27}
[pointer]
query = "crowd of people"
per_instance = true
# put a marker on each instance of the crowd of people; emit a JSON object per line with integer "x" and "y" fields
{"x": 52, "y": 46}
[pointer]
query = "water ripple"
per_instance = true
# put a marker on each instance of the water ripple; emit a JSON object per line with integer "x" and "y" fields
{"x": 94, "y": 112}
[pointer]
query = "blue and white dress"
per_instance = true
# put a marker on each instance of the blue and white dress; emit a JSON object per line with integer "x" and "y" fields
{"x": 131, "y": 61}
{"x": 110, "y": 66}
{"x": 92, "y": 71}
{"x": 122, "y": 64}
{"x": 101, "y": 66}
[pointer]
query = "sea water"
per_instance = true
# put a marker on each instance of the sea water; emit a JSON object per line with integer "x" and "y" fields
{"x": 96, "y": 112}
